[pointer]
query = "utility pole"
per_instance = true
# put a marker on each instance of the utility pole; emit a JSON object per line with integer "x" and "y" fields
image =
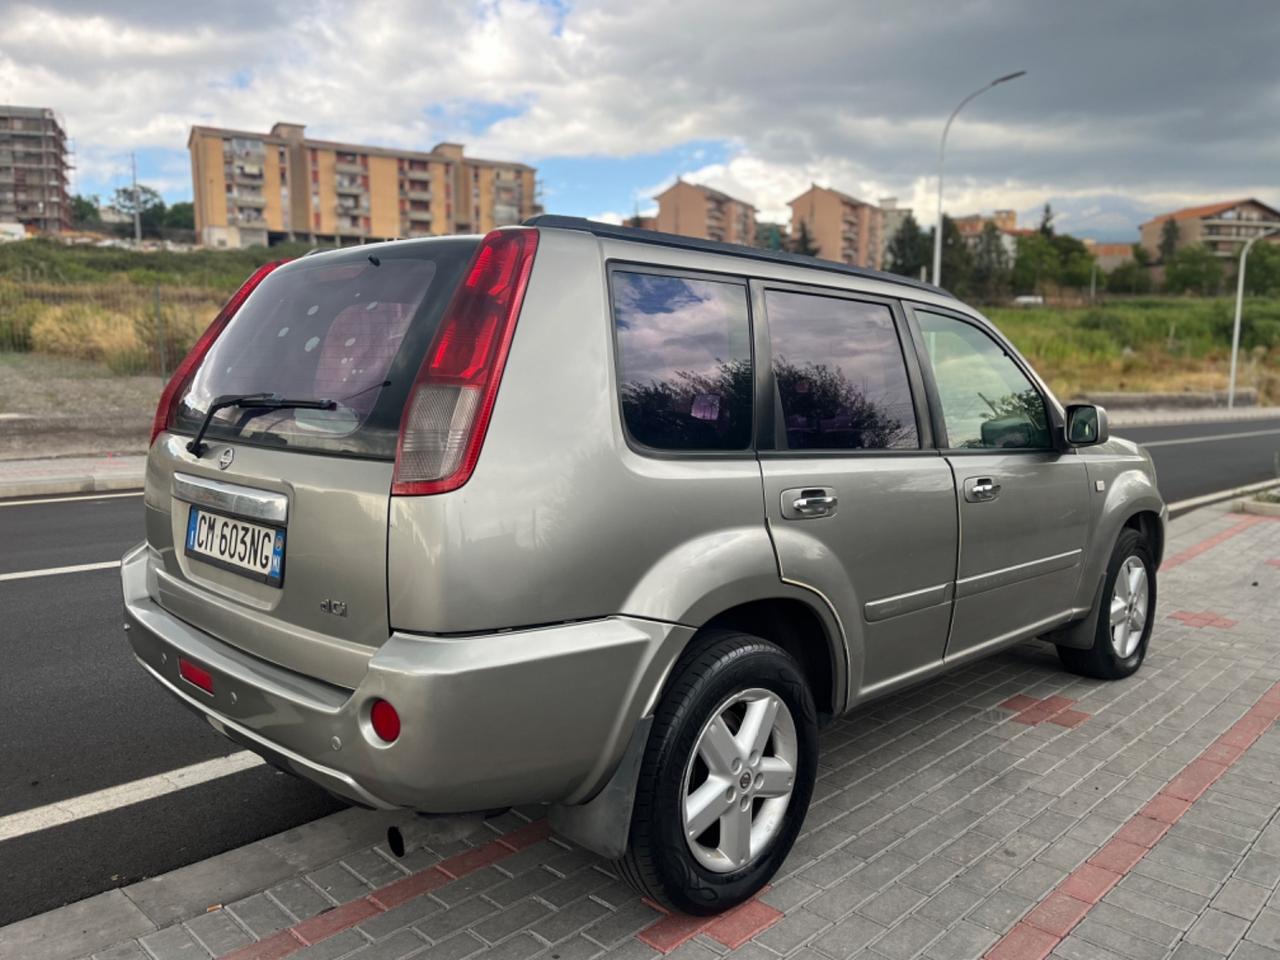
{"x": 137, "y": 212}
{"x": 1093, "y": 282}
{"x": 942, "y": 152}
{"x": 1235, "y": 330}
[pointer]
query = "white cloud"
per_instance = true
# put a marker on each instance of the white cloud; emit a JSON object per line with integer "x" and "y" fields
{"x": 1120, "y": 102}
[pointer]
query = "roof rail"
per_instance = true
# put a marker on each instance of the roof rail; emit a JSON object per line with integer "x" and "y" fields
{"x": 637, "y": 235}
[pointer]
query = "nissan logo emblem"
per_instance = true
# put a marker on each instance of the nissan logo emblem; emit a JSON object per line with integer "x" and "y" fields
{"x": 224, "y": 461}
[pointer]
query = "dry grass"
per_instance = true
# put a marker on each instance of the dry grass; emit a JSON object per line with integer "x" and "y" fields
{"x": 119, "y": 325}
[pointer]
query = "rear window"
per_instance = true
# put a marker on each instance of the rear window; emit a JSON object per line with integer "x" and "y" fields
{"x": 339, "y": 327}
{"x": 684, "y": 361}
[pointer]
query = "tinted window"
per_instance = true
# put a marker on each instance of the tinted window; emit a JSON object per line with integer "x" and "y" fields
{"x": 840, "y": 374}
{"x": 684, "y": 361}
{"x": 987, "y": 401}
{"x": 337, "y": 327}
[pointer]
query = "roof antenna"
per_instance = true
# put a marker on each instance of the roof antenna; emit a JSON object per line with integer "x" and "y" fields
{"x": 374, "y": 260}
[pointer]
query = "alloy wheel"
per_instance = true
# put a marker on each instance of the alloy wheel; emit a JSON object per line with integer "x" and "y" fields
{"x": 739, "y": 780}
{"x": 1129, "y": 602}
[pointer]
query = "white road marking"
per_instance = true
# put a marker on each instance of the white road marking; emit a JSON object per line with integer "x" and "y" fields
{"x": 85, "y": 496}
{"x": 55, "y": 571}
{"x": 1208, "y": 439}
{"x": 1208, "y": 498}
{"x": 124, "y": 794}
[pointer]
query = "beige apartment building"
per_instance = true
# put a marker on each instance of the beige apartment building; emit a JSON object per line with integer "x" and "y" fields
{"x": 843, "y": 228}
{"x": 1223, "y": 227}
{"x": 258, "y": 189}
{"x": 693, "y": 210}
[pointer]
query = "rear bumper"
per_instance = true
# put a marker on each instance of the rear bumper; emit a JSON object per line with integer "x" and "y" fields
{"x": 532, "y": 716}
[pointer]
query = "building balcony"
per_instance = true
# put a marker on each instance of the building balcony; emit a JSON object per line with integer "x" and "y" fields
{"x": 349, "y": 189}
{"x": 347, "y": 230}
{"x": 247, "y": 199}
{"x": 414, "y": 194}
{"x": 419, "y": 216}
{"x": 346, "y": 166}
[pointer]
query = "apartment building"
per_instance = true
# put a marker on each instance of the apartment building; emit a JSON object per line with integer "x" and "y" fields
{"x": 1223, "y": 227}
{"x": 257, "y": 189}
{"x": 693, "y": 210}
{"x": 843, "y": 228}
{"x": 971, "y": 227}
{"x": 34, "y": 165}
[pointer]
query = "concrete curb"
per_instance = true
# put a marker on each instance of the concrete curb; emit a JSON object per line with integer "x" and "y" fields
{"x": 79, "y": 483}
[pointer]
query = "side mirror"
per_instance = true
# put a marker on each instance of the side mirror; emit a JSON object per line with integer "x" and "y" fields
{"x": 1086, "y": 425}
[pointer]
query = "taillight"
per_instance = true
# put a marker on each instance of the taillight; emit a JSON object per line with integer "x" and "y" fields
{"x": 384, "y": 720}
{"x": 447, "y": 413}
{"x": 167, "y": 409}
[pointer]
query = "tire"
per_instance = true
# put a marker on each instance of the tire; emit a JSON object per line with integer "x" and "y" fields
{"x": 1110, "y": 657}
{"x": 728, "y": 674}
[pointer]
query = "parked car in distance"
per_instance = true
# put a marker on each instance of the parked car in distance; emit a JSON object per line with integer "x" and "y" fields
{"x": 615, "y": 522}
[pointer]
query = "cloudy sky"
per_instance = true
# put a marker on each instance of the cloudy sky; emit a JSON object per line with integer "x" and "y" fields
{"x": 1128, "y": 108}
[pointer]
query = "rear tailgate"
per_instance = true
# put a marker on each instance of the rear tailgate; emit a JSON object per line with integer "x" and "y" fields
{"x": 274, "y": 540}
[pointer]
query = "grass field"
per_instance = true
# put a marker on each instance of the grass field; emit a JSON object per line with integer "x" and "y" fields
{"x": 1158, "y": 344}
{"x": 135, "y": 312}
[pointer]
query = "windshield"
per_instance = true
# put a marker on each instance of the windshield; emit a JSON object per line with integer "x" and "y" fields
{"x": 338, "y": 327}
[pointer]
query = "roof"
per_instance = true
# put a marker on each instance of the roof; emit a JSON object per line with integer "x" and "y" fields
{"x": 843, "y": 196}
{"x": 1113, "y": 249}
{"x": 637, "y": 235}
{"x": 1210, "y": 210}
{"x": 337, "y": 146}
{"x": 707, "y": 191}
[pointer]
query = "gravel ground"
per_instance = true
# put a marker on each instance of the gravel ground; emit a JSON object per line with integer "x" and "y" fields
{"x": 53, "y": 407}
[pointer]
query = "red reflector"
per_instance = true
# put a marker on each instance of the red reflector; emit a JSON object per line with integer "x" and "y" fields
{"x": 199, "y": 676}
{"x": 385, "y": 720}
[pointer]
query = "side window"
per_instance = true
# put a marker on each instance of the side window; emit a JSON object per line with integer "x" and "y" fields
{"x": 841, "y": 378}
{"x": 684, "y": 361}
{"x": 987, "y": 401}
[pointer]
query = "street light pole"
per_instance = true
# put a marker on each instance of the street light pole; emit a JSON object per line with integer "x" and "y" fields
{"x": 942, "y": 149}
{"x": 1235, "y": 330}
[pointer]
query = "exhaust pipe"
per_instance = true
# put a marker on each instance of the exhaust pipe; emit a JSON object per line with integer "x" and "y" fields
{"x": 426, "y": 830}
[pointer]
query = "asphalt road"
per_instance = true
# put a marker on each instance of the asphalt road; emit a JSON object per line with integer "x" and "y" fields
{"x": 78, "y": 715}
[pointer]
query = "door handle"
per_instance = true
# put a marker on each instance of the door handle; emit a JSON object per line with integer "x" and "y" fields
{"x": 980, "y": 489}
{"x": 808, "y": 503}
{"x": 814, "y": 506}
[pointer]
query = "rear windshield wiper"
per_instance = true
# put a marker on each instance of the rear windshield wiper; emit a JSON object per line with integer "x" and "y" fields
{"x": 251, "y": 401}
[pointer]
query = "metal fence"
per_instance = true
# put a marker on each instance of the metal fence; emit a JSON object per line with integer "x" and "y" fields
{"x": 130, "y": 328}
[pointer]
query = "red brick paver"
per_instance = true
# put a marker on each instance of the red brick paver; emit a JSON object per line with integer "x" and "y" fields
{"x": 1090, "y": 881}
{"x": 1203, "y": 618}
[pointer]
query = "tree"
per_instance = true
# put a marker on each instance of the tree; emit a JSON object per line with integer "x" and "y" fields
{"x": 1036, "y": 263}
{"x": 1140, "y": 255}
{"x": 909, "y": 250}
{"x": 991, "y": 273}
{"x": 1130, "y": 277}
{"x": 1046, "y": 221}
{"x": 84, "y": 211}
{"x": 1193, "y": 269}
{"x": 803, "y": 241}
{"x": 1075, "y": 262}
{"x": 180, "y": 216}
{"x": 1262, "y": 273}
{"x": 1169, "y": 238}
{"x": 957, "y": 259}
{"x": 146, "y": 202}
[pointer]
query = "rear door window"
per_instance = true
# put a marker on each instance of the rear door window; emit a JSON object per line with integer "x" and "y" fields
{"x": 350, "y": 328}
{"x": 684, "y": 361}
{"x": 840, "y": 374}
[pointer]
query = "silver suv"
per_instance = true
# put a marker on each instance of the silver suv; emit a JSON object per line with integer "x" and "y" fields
{"x": 615, "y": 522}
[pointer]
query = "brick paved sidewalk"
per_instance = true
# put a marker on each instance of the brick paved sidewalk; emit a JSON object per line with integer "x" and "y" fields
{"x": 1009, "y": 810}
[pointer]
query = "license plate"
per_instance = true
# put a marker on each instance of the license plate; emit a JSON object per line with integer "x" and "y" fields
{"x": 253, "y": 550}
